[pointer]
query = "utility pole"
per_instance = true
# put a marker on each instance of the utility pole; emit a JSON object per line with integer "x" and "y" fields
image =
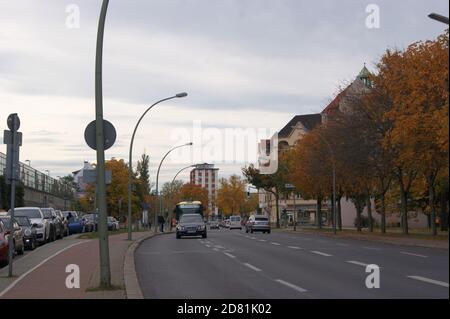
{"x": 105, "y": 273}
{"x": 13, "y": 139}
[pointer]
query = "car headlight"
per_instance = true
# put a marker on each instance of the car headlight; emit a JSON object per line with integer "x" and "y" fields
{"x": 39, "y": 225}
{"x": 180, "y": 227}
{"x": 201, "y": 227}
{"x": 27, "y": 232}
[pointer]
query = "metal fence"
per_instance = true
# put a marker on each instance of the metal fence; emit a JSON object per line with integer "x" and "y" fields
{"x": 35, "y": 179}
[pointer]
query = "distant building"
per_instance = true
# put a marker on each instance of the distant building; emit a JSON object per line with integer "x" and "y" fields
{"x": 78, "y": 178}
{"x": 206, "y": 176}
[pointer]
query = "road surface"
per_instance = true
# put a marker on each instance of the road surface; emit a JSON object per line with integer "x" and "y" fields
{"x": 233, "y": 264}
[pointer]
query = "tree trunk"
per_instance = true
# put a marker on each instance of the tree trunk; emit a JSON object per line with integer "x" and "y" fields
{"x": 443, "y": 213}
{"x": 339, "y": 211}
{"x": 404, "y": 210}
{"x": 369, "y": 212}
{"x": 319, "y": 212}
{"x": 383, "y": 213}
{"x": 277, "y": 208}
{"x": 358, "y": 217}
{"x": 432, "y": 205}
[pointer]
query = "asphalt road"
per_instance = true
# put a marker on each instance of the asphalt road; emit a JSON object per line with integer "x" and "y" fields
{"x": 233, "y": 264}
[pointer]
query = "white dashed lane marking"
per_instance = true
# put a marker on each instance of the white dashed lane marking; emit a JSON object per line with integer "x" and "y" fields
{"x": 412, "y": 254}
{"x": 276, "y": 244}
{"x": 252, "y": 267}
{"x": 230, "y": 255}
{"x": 288, "y": 284}
{"x": 321, "y": 253}
{"x": 294, "y": 247}
{"x": 430, "y": 281}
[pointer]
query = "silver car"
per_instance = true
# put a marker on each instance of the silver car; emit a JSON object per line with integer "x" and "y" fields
{"x": 257, "y": 223}
{"x": 37, "y": 219}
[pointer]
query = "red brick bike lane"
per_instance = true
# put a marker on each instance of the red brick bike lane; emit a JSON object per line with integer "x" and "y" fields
{"x": 48, "y": 281}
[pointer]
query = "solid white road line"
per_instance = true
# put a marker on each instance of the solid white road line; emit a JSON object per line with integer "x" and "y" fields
{"x": 357, "y": 263}
{"x": 230, "y": 255}
{"x": 288, "y": 284}
{"x": 276, "y": 244}
{"x": 430, "y": 281}
{"x": 412, "y": 254}
{"x": 294, "y": 247}
{"x": 252, "y": 267}
{"x": 321, "y": 253}
{"x": 13, "y": 284}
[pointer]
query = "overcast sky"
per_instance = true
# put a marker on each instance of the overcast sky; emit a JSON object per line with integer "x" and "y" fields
{"x": 245, "y": 64}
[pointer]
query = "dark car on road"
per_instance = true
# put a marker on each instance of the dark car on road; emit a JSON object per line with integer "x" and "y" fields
{"x": 191, "y": 225}
{"x": 29, "y": 232}
{"x": 257, "y": 223}
{"x": 3, "y": 246}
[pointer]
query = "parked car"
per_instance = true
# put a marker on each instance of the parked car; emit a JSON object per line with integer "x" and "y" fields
{"x": 235, "y": 222}
{"x": 214, "y": 224}
{"x": 113, "y": 224}
{"x": 29, "y": 232}
{"x": 55, "y": 223}
{"x": 90, "y": 222}
{"x": 62, "y": 218}
{"x": 36, "y": 217}
{"x": 191, "y": 225}
{"x": 16, "y": 232}
{"x": 3, "y": 246}
{"x": 257, "y": 223}
{"x": 75, "y": 223}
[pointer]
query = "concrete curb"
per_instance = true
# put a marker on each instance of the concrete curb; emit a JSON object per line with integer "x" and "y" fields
{"x": 132, "y": 287}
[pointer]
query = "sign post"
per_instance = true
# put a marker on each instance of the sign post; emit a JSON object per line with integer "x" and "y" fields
{"x": 13, "y": 140}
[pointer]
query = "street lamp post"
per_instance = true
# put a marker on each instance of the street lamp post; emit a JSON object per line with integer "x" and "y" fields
{"x": 439, "y": 18}
{"x": 130, "y": 159}
{"x": 157, "y": 180}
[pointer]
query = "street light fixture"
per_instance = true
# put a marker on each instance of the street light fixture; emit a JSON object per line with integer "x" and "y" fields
{"x": 29, "y": 162}
{"x": 157, "y": 180}
{"x": 184, "y": 168}
{"x": 439, "y": 18}
{"x": 130, "y": 159}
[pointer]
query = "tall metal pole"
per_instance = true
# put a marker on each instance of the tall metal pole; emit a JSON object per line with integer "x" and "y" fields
{"x": 157, "y": 182}
{"x": 105, "y": 273}
{"x": 130, "y": 156}
{"x": 13, "y": 196}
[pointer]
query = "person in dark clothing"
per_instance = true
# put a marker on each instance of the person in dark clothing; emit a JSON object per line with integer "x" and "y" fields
{"x": 162, "y": 224}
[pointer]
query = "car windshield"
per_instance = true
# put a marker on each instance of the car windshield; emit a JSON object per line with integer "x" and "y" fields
{"x": 22, "y": 221}
{"x": 47, "y": 212}
{"x": 191, "y": 219}
{"x": 235, "y": 218}
{"x": 262, "y": 219}
{"x": 30, "y": 213}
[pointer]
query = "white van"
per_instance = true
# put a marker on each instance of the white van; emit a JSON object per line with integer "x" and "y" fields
{"x": 235, "y": 222}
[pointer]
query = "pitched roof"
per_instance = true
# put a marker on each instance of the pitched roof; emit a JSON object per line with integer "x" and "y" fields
{"x": 334, "y": 105}
{"x": 309, "y": 121}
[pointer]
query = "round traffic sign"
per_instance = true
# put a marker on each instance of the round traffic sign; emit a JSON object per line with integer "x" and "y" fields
{"x": 13, "y": 122}
{"x": 109, "y": 133}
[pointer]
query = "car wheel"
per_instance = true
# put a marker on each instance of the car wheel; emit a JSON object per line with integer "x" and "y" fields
{"x": 33, "y": 244}
{"x": 178, "y": 236}
{"x": 251, "y": 231}
{"x": 204, "y": 236}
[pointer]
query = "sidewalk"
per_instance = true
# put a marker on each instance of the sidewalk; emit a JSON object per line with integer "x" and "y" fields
{"x": 48, "y": 278}
{"x": 389, "y": 238}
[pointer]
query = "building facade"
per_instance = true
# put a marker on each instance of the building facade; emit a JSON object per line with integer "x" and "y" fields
{"x": 206, "y": 176}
